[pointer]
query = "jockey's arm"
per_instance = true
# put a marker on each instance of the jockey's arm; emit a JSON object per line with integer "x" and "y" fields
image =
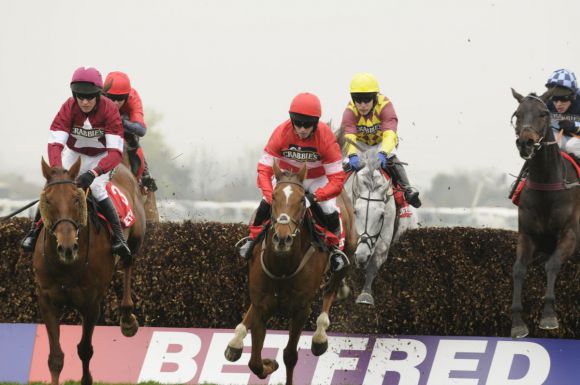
{"x": 389, "y": 122}
{"x": 348, "y": 125}
{"x": 334, "y": 186}
{"x": 135, "y": 128}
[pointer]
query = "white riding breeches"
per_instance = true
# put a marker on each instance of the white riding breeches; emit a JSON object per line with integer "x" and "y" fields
{"x": 569, "y": 144}
{"x": 98, "y": 187}
{"x": 311, "y": 185}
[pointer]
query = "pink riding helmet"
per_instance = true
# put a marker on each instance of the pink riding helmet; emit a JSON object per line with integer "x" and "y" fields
{"x": 86, "y": 80}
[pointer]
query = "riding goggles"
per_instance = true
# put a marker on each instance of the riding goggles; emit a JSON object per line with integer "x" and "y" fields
{"x": 87, "y": 97}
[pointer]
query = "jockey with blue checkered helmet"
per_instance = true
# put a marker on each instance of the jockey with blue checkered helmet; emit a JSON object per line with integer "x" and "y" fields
{"x": 565, "y": 108}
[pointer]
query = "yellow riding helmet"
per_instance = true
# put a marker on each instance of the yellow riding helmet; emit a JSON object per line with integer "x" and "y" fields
{"x": 363, "y": 83}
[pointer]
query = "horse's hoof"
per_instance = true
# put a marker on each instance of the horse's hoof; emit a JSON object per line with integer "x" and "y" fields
{"x": 319, "y": 349}
{"x": 519, "y": 331}
{"x": 130, "y": 329}
{"x": 233, "y": 354}
{"x": 365, "y": 299}
{"x": 268, "y": 367}
{"x": 549, "y": 323}
{"x": 343, "y": 292}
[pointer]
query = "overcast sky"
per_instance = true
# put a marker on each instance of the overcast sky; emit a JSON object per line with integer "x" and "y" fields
{"x": 223, "y": 73}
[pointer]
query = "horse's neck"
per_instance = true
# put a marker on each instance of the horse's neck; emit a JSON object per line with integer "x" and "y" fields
{"x": 546, "y": 166}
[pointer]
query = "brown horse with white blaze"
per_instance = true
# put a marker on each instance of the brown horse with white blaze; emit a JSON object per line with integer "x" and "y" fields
{"x": 285, "y": 273}
{"x": 73, "y": 263}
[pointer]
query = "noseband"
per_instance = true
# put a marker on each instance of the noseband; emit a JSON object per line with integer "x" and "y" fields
{"x": 285, "y": 219}
{"x": 540, "y": 143}
{"x": 76, "y": 224}
{"x": 365, "y": 238}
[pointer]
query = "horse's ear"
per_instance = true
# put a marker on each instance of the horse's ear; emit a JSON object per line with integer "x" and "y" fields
{"x": 45, "y": 168}
{"x": 516, "y": 95}
{"x": 547, "y": 95}
{"x": 73, "y": 172}
{"x": 302, "y": 173}
{"x": 277, "y": 171}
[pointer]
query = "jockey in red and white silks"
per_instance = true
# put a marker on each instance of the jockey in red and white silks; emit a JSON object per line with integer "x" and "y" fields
{"x": 96, "y": 137}
{"x": 300, "y": 140}
{"x": 324, "y": 176}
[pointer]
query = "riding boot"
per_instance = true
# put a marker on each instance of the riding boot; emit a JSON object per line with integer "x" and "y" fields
{"x": 262, "y": 214}
{"x": 134, "y": 160}
{"x": 147, "y": 180}
{"x": 338, "y": 259}
{"x": 397, "y": 172}
{"x": 119, "y": 245}
{"x": 29, "y": 241}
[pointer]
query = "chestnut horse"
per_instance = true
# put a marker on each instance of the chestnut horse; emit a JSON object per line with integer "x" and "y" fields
{"x": 549, "y": 208}
{"x": 73, "y": 264}
{"x": 285, "y": 274}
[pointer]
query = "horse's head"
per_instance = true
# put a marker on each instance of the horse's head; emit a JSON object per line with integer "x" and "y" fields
{"x": 288, "y": 208}
{"x": 371, "y": 196}
{"x": 63, "y": 209}
{"x": 532, "y": 123}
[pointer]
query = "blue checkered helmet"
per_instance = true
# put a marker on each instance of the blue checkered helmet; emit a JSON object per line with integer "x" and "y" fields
{"x": 563, "y": 78}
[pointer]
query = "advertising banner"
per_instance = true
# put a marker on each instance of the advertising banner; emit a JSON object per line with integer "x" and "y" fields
{"x": 180, "y": 356}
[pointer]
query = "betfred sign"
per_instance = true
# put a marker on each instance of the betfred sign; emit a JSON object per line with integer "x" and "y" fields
{"x": 179, "y": 356}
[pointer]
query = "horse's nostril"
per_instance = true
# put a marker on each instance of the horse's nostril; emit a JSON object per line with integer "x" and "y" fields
{"x": 276, "y": 238}
{"x": 75, "y": 247}
{"x": 288, "y": 240}
{"x": 59, "y": 249}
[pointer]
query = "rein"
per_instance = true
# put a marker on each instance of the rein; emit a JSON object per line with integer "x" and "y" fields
{"x": 76, "y": 224}
{"x": 285, "y": 219}
{"x": 365, "y": 238}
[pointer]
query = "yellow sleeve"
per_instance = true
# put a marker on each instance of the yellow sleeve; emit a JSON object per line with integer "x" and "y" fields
{"x": 389, "y": 141}
{"x": 350, "y": 149}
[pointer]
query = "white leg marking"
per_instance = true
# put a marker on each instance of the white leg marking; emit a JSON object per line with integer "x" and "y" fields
{"x": 322, "y": 323}
{"x": 238, "y": 341}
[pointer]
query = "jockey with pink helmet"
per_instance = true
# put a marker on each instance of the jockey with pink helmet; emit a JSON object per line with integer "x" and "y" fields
{"x": 118, "y": 88}
{"x": 88, "y": 127}
{"x": 298, "y": 140}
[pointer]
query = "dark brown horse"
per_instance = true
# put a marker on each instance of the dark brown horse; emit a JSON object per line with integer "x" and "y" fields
{"x": 73, "y": 264}
{"x": 285, "y": 273}
{"x": 549, "y": 209}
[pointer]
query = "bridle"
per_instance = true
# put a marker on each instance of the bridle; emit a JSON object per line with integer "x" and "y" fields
{"x": 285, "y": 219}
{"x": 537, "y": 146}
{"x": 75, "y": 223}
{"x": 365, "y": 238}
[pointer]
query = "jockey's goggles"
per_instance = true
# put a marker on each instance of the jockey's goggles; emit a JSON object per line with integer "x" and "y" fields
{"x": 303, "y": 123}
{"x": 117, "y": 98}
{"x": 87, "y": 97}
{"x": 363, "y": 98}
{"x": 567, "y": 98}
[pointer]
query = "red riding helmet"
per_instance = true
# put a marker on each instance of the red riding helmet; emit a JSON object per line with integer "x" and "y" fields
{"x": 306, "y": 104}
{"x": 117, "y": 83}
{"x": 86, "y": 80}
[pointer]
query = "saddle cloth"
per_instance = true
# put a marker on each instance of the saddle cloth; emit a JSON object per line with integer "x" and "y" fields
{"x": 520, "y": 186}
{"x": 122, "y": 204}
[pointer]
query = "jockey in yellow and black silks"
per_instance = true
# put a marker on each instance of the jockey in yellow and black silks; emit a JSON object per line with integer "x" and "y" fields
{"x": 370, "y": 120}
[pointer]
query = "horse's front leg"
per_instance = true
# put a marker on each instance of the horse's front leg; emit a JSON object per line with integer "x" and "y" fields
{"x": 320, "y": 338}
{"x": 379, "y": 256}
{"x": 564, "y": 250}
{"x": 261, "y": 367}
{"x": 129, "y": 324}
{"x": 236, "y": 345}
{"x": 85, "y": 346}
{"x": 524, "y": 252}
{"x": 291, "y": 350}
{"x": 51, "y": 315}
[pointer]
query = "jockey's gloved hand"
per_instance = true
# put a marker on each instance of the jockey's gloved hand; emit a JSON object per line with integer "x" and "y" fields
{"x": 311, "y": 198}
{"x": 85, "y": 180}
{"x": 383, "y": 159}
{"x": 568, "y": 126}
{"x": 354, "y": 162}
